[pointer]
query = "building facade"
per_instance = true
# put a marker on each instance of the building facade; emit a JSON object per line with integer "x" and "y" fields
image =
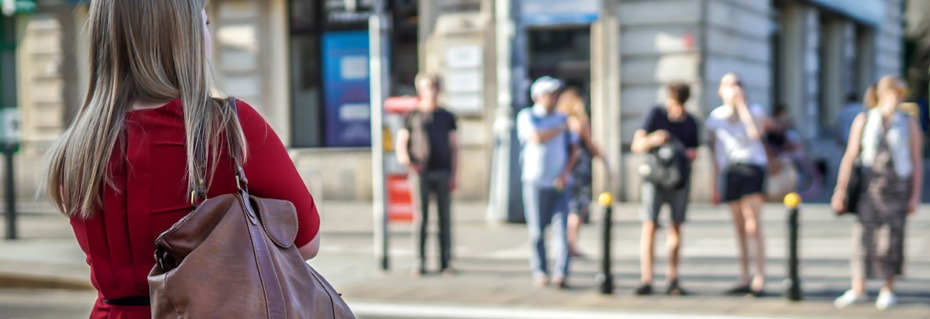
{"x": 303, "y": 64}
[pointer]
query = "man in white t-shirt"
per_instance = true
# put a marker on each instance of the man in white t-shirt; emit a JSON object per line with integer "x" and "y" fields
{"x": 740, "y": 167}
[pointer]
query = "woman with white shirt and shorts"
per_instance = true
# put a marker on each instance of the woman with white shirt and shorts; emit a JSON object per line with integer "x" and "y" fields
{"x": 740, "y": 162}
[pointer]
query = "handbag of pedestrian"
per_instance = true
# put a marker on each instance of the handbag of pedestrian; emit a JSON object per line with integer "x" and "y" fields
{"x": 780, "y": 183}
{"x": 854, "y": 184}
{"x": 234, "y": 256}
{"x": 666, "y": 165}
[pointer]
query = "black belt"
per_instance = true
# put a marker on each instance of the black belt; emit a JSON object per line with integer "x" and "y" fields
{"x": 129, "y": 301}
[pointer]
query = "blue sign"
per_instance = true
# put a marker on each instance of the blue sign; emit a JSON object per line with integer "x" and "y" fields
{"x": 558, "y": 12}
{"x": 346, "y": 89}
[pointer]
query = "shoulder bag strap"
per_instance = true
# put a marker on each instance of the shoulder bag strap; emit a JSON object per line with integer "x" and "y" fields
{"x": 235, "y": 151}
{"x": 274, "y": 301}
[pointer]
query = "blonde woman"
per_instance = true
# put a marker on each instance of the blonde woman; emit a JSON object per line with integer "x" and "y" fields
{"x": 580, "y": 194}
{"x": 888, "y": 144}
{"x": 149, "y": 137}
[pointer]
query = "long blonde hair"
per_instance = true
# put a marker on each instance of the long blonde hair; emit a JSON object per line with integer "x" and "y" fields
{"x": 141, "y": 51}
{"x": 571, "y": 104}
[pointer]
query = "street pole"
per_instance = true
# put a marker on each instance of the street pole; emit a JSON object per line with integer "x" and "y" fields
{"x": 792, "y": 201}
{"x": 8, "y": 149}
{"x": 378, "y": 30}
{"x": 499, "y": 195}
{"x": 606, "y": 279}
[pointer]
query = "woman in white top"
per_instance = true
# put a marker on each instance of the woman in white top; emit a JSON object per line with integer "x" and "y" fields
{"x": 889, "y": 146}
{"x": 740, "y": 161}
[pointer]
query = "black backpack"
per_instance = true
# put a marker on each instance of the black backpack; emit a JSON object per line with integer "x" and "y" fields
{"x": 666, "y": 166}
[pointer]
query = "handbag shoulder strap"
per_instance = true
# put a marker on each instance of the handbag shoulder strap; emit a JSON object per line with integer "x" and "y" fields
{"x": 242, "y": 182}
{"x": 235, "y": 151}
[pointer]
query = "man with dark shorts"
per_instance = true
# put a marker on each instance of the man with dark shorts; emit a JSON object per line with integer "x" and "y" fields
{"x": 668, "y": 123}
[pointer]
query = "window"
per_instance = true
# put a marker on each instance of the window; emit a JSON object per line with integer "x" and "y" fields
{"x": 7, "y": 62}
{"x": 306, "y": 95}
{"x": 329, "y": 73}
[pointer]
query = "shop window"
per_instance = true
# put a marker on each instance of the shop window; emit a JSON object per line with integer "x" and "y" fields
{"x": 329, "y": 73}
{"x": 329, "y": 78}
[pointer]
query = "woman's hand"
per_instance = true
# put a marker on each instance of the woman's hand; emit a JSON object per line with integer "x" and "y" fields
{"x": 838, "y": 202}
{"x": 912, "y": 205}
{"x": 561, "y": 181}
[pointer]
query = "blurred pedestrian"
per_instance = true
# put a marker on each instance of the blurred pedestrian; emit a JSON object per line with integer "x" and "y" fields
{"x": 549, "y": 152}
{"x": 665, "y": 124}
{"x": 736, "y": 133}
{"x": 151, "y": 139}
{"x": 888, "y": 144}
{"x": 580, "y": 193}
{"x": 428, "y": 147}
{"x": 854, "y": 106}
{"x": 780, "y": 134}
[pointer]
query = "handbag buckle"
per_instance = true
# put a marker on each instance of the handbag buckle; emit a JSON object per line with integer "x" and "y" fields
{"x": 159, "y": 257}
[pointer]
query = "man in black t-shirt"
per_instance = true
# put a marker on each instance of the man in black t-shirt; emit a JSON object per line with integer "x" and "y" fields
{"x": 663, "y": 124}
{"x": 427, "y": 146}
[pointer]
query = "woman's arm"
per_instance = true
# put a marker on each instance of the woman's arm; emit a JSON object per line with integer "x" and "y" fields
{"x": 918, "y": 164}
{"x": 596, "y": 152}
{"x": 852, "y": 152}
{"x": 272, "y": 174}
{"x": 310, "y": 250}
{"x": 712, "y": 140}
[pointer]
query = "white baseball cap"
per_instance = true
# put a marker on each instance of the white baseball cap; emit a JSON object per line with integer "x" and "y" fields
{"x": 545, "y": 85}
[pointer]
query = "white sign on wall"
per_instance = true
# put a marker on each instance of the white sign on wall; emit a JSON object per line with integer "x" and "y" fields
{"x": 465, "y": 56}
{"x": 463, "y": 81}
{"x": 464, "y": 103}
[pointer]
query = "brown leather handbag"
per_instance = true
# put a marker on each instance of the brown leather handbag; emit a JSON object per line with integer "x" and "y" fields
{"x": 234, "y": 257}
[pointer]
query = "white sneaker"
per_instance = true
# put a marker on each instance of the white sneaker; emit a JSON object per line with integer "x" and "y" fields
{"x": 849, "y": 298}
{"x": 886, "y": 299}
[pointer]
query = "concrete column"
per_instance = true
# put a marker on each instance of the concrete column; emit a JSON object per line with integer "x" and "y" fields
{"x": 502, "y": 147}
{"x": 799, "y": 52}
{"x": 606, "y": 123}
{"x": 834, "y": 72}
{"x": 865, "y": 58}
{"x": 276, "y": 57}
{"x": 426, "y": 15}
{"x": 41, "y": 83}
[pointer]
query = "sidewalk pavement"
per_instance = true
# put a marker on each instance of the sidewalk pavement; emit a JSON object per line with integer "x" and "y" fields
{"x": 492, "y": 264}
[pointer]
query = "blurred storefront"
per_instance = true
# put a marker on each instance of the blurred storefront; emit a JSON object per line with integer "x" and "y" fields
{"x": 303, "y": 64}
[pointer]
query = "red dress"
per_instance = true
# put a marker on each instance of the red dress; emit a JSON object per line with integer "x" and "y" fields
{"x": 149, "y": 194}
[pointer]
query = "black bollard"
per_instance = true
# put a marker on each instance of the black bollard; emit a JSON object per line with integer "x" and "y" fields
{"x": 10, "y": 185}
{"x": 793, "y": 281}
{"x": 606, "y": 278}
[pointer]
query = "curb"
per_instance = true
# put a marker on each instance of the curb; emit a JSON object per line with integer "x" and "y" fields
{"x": 12, "y": 279}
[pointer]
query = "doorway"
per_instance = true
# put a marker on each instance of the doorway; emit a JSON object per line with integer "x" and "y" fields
{"x": 564, "y": 53}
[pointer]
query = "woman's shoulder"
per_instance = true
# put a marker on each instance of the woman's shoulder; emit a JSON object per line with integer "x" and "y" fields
{"x": 248, "y": 115}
